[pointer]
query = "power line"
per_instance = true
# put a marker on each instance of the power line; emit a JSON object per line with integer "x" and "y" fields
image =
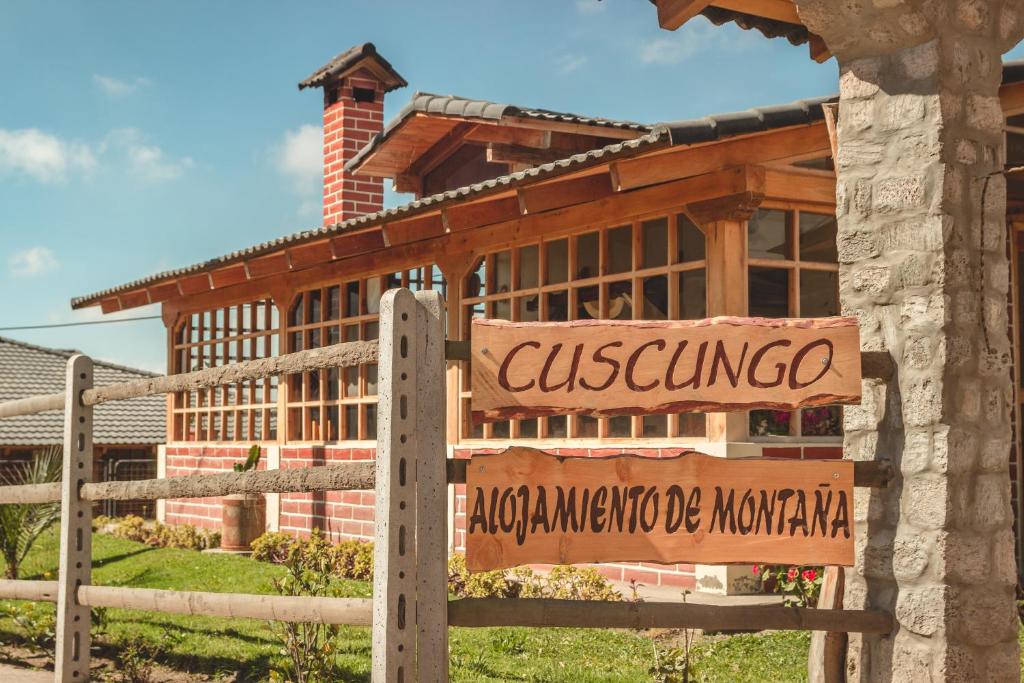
{"x": 87, "y": 322}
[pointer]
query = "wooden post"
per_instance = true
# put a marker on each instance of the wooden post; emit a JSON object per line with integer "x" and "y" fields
{"x": 72, "y": 656}
{"x": 431, "y": 492}
{"x": 394, "y": 576}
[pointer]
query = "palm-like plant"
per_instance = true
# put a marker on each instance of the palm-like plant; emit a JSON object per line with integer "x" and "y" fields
{"x": 21, "y": 524}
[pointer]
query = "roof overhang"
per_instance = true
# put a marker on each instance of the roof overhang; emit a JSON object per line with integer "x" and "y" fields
{"x": 364, "y": 56}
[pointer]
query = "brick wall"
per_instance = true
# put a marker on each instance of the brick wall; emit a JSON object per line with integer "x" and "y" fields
{"x": 348, "y": 126}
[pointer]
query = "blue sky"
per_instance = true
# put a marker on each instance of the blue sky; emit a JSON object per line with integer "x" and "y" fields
{"x": 140, "y": 136}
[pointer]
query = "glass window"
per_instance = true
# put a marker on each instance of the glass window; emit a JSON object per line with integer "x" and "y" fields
{"x": 620, "y": 250}
{"x": 501, "y": 273}
{"x": 768, "y": 235}
{"x": 654, "y": 236}
{"x": 588, "y": 247}
{"x": 768, "y": 292}
{"x": 557, "y": 257}
{"x": 819, "y": 293}
{"x": 818, "y": 237}
{"x": 693, "y": 296}
{"x": 528, "y": 267}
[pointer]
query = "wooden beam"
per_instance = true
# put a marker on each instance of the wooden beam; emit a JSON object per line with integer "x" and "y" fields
{"x": 548, "y": 196}
{"x": 413, "y": 229}
{"x": 440, "y": 150}
{"x": 798, "y": 184}
{"x": 777, "y": 10}
{"x": 818, "y": 49}
{"x": 517, "y": 154}
{"x": 783, "y": 145}
{"x": 510, "y": 135}
{"x": 674, "y": 13}
{"x": 465, "y": 216}
{"x": 404, "y": 182}
{"x": 831, "y": 123}
{"x": 1012, "y": 97}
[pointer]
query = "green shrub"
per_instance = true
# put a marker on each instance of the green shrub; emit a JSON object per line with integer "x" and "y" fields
{"x": 272, "y": 546}
{"x": 495, "y": 584}
{"x": 159, "y": 535}
{"x": 353, "y": 560}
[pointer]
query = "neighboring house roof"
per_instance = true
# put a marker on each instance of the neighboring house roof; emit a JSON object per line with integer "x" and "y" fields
{"x": 483, "y": 110}
{"x": 28, "y": 370}
{"x": 350, "y": 60}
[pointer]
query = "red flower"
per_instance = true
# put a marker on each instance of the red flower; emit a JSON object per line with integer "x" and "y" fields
{"x": 756, "y": 569}
{"x": 792, "y": 574}
{"x": 810, "y": 574}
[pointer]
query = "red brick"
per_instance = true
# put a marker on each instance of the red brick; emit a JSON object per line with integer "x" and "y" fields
{"x": 823, "y": 452}
{"x": 786, "y": 452}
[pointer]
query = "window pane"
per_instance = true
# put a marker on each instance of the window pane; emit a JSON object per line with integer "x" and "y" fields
{"x": 588, "y": 255}
{"x": 557, "y": 267}
{"x": 314, "y": 306}
{"x": 819, "y": 293}
{"x": 475, "y": 281}
{"x": 351, "y": 423}
{"x": 769, "y": 422}
{"x": 528, "y": 310}
{"x": 528, "y": 429}
{"x": 558, "y": 306}
{"x": 371, "y": 422}
{"x": 295, "y": 314}
{"x": 655, "y": 425}
{"x": 501, "y": 272}
{"x": 620, "y": 300}
{"x": 692, "y": 424}
{"x": 655, "y": 243}
{"x": 620, "y": 426}
{"x": 768, "y": 235}
{"x": 769, "y": 292}
{"x": 502, "y": 309}
{"x": 373, "y": 294}
{"x": 351, "y": 298}
{"x": 693, "y": 299}
{"x": 528, "y": 267}
{"x": 500, "y": 430}
{"x": 620, "y": 249}
{"x": 823, "y": 421}
{"x": 656, "y": 298}
{"x": 586, "y": 427}
{"x": 689, "y": 240}
{"x": 371, "y": 380}
{"x": 818, "y": 237}
{"x": 333, "y": 303}
{"x": 588, "y": 303}
{"x": 557, "y": 427}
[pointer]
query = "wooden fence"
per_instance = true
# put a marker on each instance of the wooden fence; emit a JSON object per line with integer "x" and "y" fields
{"x": 410, "y": 612}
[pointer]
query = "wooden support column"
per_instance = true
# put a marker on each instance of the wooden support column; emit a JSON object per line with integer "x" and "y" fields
{"x": 455, "y": 269}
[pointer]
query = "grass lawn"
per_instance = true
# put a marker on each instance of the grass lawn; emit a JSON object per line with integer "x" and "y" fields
{"x": 245, "y": 649}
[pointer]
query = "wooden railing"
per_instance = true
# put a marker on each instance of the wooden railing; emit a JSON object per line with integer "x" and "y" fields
{"x": 410, "y": 611}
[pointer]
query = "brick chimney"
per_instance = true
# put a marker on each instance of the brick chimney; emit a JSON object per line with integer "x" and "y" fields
{"x": 354, "y": 85}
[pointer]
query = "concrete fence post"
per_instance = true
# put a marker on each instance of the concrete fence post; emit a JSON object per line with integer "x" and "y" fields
{"x": 394, "y": 577}
{"x": 72, "y": 649}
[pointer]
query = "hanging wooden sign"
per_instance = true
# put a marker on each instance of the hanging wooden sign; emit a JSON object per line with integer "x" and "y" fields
{"x": 528, "y": 507}
{"x": 638, "y": 367}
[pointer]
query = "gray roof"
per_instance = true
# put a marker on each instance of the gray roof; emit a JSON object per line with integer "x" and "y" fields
{"x": 28, "y": 370}
{"x": 349, "y": 59}
{"x": 462, "y": 107}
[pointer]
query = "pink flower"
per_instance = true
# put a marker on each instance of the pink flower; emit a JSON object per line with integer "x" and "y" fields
{"x": 756, "y": 569}
{"x": 792, "y": 574}
{"x": 810, "y": 574}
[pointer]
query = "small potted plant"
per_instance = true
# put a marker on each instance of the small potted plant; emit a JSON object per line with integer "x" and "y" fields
{"x": 243, "y": 515}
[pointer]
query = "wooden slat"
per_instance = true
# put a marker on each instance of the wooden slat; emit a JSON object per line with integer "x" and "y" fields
{"x": 413, "y": 229}
{"x": 781, "y": 145}
{"x": 510, "y": 135}
{"x": 466, "y": 216}
{"x": 361, "y": 242}
{"x": 549, "y": 196}
{"x": 485, "y": 612}
{"x": 232, "y": 275}
{"x": 799, "y": 185}
{"x": 674, "y": 13}
{"x": 268, "y": 265}
{"x": 826, "y": 662}
{"x": 296, "y": 609}
{"x": 1012, "y": 97}
{"x": 310, "y": 254}
{"x": 777, "y": 10}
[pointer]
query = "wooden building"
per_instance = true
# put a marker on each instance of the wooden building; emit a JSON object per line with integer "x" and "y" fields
{"x": 523, "y": 214}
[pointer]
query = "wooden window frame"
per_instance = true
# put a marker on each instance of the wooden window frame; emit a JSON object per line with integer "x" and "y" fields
{"x": 572, "y": 286}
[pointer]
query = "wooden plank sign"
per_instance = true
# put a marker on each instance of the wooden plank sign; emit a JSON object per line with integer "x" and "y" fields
{"x": 639, "y": 367}
{"x": 526, "y": 506}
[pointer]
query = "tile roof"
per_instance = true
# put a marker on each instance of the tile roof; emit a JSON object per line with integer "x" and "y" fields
{"x": 349, "y": 59}
{"x": 462, "y": 107}
{"x": 28, "y": 370}
{"x": 706, "y": 129}
{"x": 797, "y": 34}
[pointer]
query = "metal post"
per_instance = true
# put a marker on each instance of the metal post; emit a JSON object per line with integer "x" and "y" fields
{"x": 431, "y": 492}
{"x": 72, "y": 656}
{"x": 394, "y": 577}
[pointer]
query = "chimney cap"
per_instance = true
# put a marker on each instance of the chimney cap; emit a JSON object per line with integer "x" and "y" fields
{"x": 352, "y": 59}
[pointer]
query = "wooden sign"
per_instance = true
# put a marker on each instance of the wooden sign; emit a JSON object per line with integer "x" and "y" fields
{"x": 528, "y": 507}
{"x": 638, "y": 367}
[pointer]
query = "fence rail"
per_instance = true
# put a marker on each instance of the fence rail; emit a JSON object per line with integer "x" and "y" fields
{"x": 409, "y": 480}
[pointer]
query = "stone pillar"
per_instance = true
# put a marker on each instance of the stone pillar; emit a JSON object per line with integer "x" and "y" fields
{"x": 921, "y": 203}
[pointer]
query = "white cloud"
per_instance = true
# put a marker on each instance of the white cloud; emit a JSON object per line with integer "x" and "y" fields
{"x": 667, "y": 50}
{"x": 567, "y": 64}
{"x": 117, "y": 88}
{"x": 590, "y": 6}
{"x": 42, "y": 156}
{"x": 31, "y": 262}
{"x": 144, "y": 160}
{"x": 299, "y": 157}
